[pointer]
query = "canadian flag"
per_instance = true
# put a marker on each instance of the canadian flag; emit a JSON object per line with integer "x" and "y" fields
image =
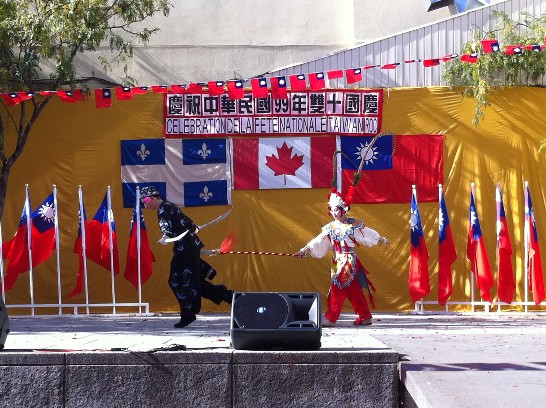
{"x": 291, "y": 162}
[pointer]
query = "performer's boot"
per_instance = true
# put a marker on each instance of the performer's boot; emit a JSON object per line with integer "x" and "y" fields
{"x": 228, "y": 297}
{"x": 185, "y": 319}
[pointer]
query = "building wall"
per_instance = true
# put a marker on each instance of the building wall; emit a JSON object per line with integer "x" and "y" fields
{"x": 226, "y": 39}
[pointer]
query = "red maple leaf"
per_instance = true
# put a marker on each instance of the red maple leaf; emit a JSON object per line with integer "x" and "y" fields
{"x": 285, "y": 164}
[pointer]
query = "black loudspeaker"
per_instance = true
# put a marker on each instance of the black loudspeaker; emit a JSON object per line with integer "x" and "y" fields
{"x": 4, "y": 323}
{"x": 272, "y": 320}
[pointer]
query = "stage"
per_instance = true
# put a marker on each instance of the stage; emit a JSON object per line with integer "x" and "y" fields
{"x": 481, "y": 359}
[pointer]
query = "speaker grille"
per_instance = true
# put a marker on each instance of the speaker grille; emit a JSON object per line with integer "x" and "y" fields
{"x": 260, "y": 311}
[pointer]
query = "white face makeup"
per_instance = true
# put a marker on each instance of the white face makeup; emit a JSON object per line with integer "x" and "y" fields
{"x": 337, "y": 213}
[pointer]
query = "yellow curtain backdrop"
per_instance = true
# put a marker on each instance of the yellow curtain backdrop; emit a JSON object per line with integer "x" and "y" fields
{"x": 77, "y": 144}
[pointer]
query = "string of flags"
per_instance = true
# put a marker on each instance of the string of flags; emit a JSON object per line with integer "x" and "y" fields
{"x": 277, "y": 86}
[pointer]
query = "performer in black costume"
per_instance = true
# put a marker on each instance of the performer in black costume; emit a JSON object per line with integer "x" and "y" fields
{"x": 190, "y": 276}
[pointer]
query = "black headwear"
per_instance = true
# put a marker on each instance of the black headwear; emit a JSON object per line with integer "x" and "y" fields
{"x": 149, "y": 191}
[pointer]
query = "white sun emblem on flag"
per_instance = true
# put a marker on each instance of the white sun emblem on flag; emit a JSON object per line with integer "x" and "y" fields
{"x": 47, "y": 212}
{"x": 441, "y": 220}
{"x": 473, "y": 218}
{"x": 413, "y": 219}
{"x": 371, "y": 154}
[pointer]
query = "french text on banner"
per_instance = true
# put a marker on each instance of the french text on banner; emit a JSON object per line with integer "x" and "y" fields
{"x": 353, "y": 112}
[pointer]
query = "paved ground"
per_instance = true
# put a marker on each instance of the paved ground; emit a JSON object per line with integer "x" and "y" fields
{"x": 463, "y": 360}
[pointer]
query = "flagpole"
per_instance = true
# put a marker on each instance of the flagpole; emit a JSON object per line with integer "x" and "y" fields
{"x": 526, "y": 242}
{"x": 110, "y": 218}
{"x": 29, "y": 243}
{"x": 84, "y": 241}
{"x": 414, "y": 193}
{"x": 137, "y": 208}
{"x": 2, "y": 265}
{"x": 472, "y": 191}
{"x": 56, "y": 220}
{"x": 497, "y": 196}
{"x": 440, "y": 194}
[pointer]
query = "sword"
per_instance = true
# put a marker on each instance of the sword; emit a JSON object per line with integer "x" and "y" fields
{"x": 214, "y": 221}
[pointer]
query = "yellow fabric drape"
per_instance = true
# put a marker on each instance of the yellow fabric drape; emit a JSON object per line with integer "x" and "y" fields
{"x": 78, "y": 144}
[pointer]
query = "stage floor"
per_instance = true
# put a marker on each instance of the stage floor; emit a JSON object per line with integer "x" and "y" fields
{"x": 455, "y": 360}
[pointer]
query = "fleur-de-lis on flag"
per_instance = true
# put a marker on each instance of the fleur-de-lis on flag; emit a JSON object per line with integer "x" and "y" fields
{"x": 143, "y": 152}
{"x": 206, "y": 194}
{"x": 204, "y": 152}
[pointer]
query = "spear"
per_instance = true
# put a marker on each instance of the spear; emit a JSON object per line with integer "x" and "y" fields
{"x": 226, "y": 249}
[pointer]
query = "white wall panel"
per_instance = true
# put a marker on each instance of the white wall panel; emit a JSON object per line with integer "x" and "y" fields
{"x": 431, "y": 41}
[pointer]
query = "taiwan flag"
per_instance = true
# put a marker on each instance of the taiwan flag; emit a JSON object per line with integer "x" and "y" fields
{"x": 42, "y": 241}
{"x": 395, "y": 161}
{"x": 490, "y": 45}
{"x": 79, "y": 249}
{"x": 335, "y": 74}
{"x": 446, "y": 253}
{"x": 292, "y": 162}
{"x": 477, "y": 254}
{"x": 216, "y": 87}
{"x": 297, "y": 82}
{"x": 235, "y": 90}
{"x": 353, "y": 75}
{"x": 278, "y": 87}
{"x": 534, "y": 262}
{"x": 431, "y": 62}
{"x": 15, "y": 251}
{"x": 506, "y": 279}
{"x": 317, "y": 81}
{"x": 259, "y": 87}
{"x": 124, "y": 93}
{"x": 419, "y": 285}
{"x": 470, "y": 58}
{"x": 146, "y": 255}
{"x": 103, "y": 98}
{"x": 98, "y": 241}
{"x": 43, "y": 231}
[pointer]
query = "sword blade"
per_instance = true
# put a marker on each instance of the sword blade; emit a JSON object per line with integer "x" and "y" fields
{"x": 214, "y": 221}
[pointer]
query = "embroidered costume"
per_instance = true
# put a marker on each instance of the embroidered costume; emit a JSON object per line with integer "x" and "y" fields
{"x": 347, "y": 273}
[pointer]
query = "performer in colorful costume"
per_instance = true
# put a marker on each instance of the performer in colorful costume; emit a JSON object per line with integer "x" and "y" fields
{"x": 348, "y": 275}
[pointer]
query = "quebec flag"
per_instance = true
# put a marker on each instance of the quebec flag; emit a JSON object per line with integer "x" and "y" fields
{"x": 187, "y": 172}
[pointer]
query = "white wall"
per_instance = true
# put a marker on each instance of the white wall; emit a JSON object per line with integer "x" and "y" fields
{"x": 206, "y": 40}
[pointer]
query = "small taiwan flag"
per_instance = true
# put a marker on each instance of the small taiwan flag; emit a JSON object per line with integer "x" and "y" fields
{"x": 297, "y": 82}
{"x": 216, "y": 88}
{"x": 235, "y": 90}
{"x": 317, "y": 81}
{"x": 160, "y": 88}
{"x": 390, "y": 66}
{"x": 470, "y": 58}
{"x": 335, "y": 74}
{"x": 278, "y": 87}
{"x": 124, "y": 93}
{"x": 490, "y": 45}
{"x": 431, "y": 62}
{"x": 139, "y": 90}
{"x": 259, "y": 87}
{"x": 103, "y": 98}
{"x": 195, "y": 87}
{"x": 449, "y": 57}
{"x": 513, "y": 50}
{"x": 178, "y": 88}
{"x": 353, "y": 75}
